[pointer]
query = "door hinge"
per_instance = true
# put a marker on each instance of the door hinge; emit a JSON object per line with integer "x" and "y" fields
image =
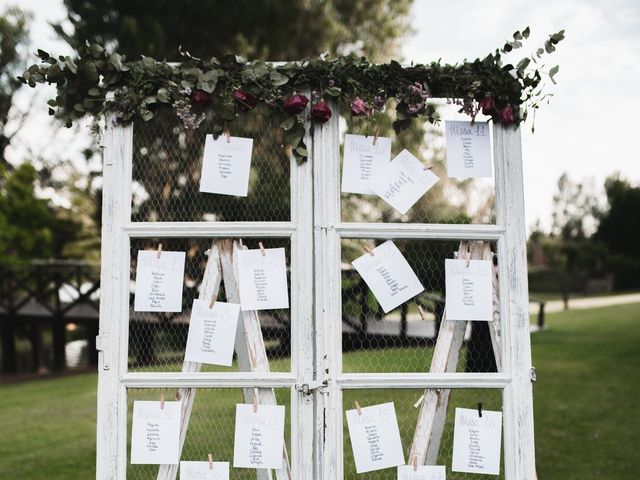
{"x": 102, "y": 342}
{"x": 532, "y": 374}
{"x": 308, "y": 388}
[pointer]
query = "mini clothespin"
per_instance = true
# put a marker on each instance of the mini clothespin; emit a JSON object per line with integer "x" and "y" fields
{"x": 358, "y": 407}
{"x": 159, "y": 250}
{"x": 369, "y": 251}
{"x": 480, "y": 409}
{"x": 255, "y": 404}
{"x": 227, "y": 134}
{"x": 210, "y": 462}
{"x": 214, "y": 297}
{"x": 421, "y": 312}
{"x": 261, "y": 246}
{"x": 419, "y": 402}
{"x": 429, "y": 167}
{"x": 375, "y": 135}
{"x": 178, "y": 397}
{"x": 162, "y": 401}
{"x": 415, "y": 463}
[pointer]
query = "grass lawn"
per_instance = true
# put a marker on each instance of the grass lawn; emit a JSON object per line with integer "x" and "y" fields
{"x": 585, "y": 407}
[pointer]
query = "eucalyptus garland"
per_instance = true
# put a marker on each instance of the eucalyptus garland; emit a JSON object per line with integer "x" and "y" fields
{"x": 98, "y": 83}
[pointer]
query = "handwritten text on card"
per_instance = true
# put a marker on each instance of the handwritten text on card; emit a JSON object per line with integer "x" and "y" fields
{"x": 477, "y": 441}
{"x": 159, "y": 281}
{"x": 468, "y": 149}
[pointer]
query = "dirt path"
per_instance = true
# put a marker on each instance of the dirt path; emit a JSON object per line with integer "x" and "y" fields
{"x": 582, "y": 303}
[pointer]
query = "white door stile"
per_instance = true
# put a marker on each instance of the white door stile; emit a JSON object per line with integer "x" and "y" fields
{"x": 519, "y": 448}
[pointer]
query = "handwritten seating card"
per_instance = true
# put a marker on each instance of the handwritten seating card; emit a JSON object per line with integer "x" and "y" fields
{"x": 159, "y": 281}
{"x": 477, "y": 442}
{"x": 202, "y": 471}
{"x": 375, "y": 438}
{"x": 263, "y": 279}
{"x": 212, "y": 333}
{"x": 388, "y": 275}
{"x": 469, "y": 290}
{"x": 226, "y": 165}
{"x": 259, "y": 436}
{"x": 361, "y": 159}
{"x": 468, "y": 149}
{"x": 423, "y": 472}
{"x": 402, "y": 182}
{"x": 155, "y": 433}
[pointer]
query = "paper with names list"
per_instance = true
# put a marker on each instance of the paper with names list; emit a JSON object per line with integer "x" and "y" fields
{"x": 204, "y": 471}
{"x": 363, "y": 157}
{"x": 388, "y": 275}
{"x": 263, "y": 279}
{"x": 477, "y": 441}
{"x": 469, "y": 289}
{"x": 259, "y": 436}
{"x": 402, "y": 182}
{"x": 422, "y": 472}
{"x": 468, "y": 149}
{"x": 375, "y": 438}
{"x": 159, "y": 281}
{"x": 155, "y": 433}
{"x": 226, "y": 165}
{"x": 212, "y": 332}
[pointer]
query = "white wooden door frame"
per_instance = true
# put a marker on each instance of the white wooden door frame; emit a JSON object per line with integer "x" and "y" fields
{"x": 316, "y": 330}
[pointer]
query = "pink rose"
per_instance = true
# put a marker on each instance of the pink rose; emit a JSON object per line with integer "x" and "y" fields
{"x": 200, "y": 98}
{"x": 359, "y": 107}
{"x": 320, "y": 112}
{"x": 246, "y": 101}
{"x": 506, "y": 115}
{"x": 295, "y": 104}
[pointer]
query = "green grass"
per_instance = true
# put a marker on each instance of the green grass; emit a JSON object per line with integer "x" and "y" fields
{"x": 585, "y": 408}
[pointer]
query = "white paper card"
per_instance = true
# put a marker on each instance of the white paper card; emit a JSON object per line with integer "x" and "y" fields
{"x": 155, "y": 433}
{"x": 226, "y": 165}
{"x": 212, "y": 333}
{"x": 388, "y": 275}
{"x": 375, "y": 438}
{"x": 477, "y": 442}
{"x": 159, "y": 281}
{"x": 468, "y": 149}
{"x": 202, "y": 471}
{"x": 403, "y": 181}
{"x": 423, "y": 472}
{"x": 469, "y": 290}
{"x": 259, "y": 437}
{"x": 263, "y": 279}
{"x": 361, "y": 159}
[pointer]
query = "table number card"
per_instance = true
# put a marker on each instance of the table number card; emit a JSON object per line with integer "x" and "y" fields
{"x": 388, "y": 275}
{"x": 423, "y": 472}
{"x": 155, "y": 433}
{"x": 361, "y": 159}
{"x": 403, "y": 181}
{"x": 477, "y": 442}
{"x": 263, "y": 279}
{"x": 204, "y": 471}
{"x": 469, "y": 290}
{"x": 226, "y": 165}
{"x": 375, "y": 438}
{"x": 212, "y": 333}
{"x": 159, "y": 281}
{"x": 259, "y": 436}
{"x": 468, "y": 149}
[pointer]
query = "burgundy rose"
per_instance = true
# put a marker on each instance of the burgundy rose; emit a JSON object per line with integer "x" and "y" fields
{"x": 488, "y": 106}
{"x": 246, "y": 101}
{"x": 320, "y": 112}
{"x": 359, "y": 107}
{"x": 200, "y": 98}
{"x": 295, "y": 104}
{"x": 506, "y": 115}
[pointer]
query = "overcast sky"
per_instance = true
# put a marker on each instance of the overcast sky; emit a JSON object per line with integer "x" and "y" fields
{"x": 588, "y": 129}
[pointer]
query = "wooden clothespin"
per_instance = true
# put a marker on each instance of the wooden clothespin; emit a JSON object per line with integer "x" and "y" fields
{"x": 178, "y": 397}
{"x": 227, "y": 134}
{"x": 261, "y": 246}
{"x": 421, "y": 312}
{"x": 415, "y": 463}
{"x": 210, "y": 462}
{"x": 162, "y": 401}
{"x": 429, "y": 167}
{"x": 159, "y": 250}
{"x": 255, "y": 404}
{"x": 369, "y": 251}
{"x": 480, "y": 409}
{"x": 375, "y": 135}
{"x": 214, "y": 297}
{"x": 419, "y": 402}
{"x": 358, "y": 407}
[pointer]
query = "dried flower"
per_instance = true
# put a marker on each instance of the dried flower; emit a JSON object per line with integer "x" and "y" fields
{"x": 246, "y": 101}
{"x": 295, "y": 104}
{"x": 200, "y": 98}
{"x": 320, "y": 112}
{"x": 359, "y": 107}
{"x": 506, "y": 115}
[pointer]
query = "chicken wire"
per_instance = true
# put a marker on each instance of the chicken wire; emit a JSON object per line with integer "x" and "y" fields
{"x": 211, "y": 428}
{"x": 407, "y": 415}
{"x": 157, "y": 341}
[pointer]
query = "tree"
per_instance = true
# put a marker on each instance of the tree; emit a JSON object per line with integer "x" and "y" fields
{"x": 575, "y": 209}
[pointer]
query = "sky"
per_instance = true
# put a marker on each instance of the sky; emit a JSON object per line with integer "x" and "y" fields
{"x": 589, "y": 127}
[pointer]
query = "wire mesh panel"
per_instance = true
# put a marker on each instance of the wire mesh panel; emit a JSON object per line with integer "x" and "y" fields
{"x": 407, "y": 415}
{"x": 167, "y": 163}
{"x": 403, "y": 340}
{"x": 157, "y": 341}
{"x": 211, "y": 428}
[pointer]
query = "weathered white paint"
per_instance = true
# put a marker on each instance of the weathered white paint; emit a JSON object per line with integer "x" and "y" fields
{"x": 419, "y": 231}
{"x": 209, "y": 229}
